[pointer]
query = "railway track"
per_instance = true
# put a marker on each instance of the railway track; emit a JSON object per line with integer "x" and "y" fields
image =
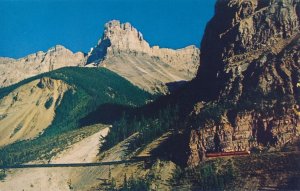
{"x": 134, "y": 160}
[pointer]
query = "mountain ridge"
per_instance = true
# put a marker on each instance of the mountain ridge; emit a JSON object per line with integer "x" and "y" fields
{"x": 15, "y": 70}
{"x": 122, "y": 50}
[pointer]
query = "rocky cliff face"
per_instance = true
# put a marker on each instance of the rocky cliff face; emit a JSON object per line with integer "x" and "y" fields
{"x": 246, "y": 35}
{"x": 15, "y": 70}
{"x": 250, "y": 54}
{"x": 123, "y": 50}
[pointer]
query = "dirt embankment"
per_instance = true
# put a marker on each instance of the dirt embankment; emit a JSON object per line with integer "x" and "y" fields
{"x": 27, "y": 111}
{"x": 60, "y": 179}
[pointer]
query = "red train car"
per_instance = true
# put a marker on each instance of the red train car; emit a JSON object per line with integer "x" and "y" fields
{"x": 224, "y": 154}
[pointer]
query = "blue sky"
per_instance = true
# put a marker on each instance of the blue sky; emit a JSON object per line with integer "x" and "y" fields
{"x": 28, "y": 26}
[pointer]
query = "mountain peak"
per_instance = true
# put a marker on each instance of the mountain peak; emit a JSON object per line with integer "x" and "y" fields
{"x": 58, "y": 48}
{"x": 118, "y": 37}
{"x": 123, "y": 50}
{"x": 116, "y": 24}
{"x": 123, "y": 36}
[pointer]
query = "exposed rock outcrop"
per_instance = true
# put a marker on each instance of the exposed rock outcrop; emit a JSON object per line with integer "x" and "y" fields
{"x": 28, "y": 110}
{"x": 15, "y": 70}
{"x": 123, "y": 50}
{"x": 250, "y": 55}
{"x": 250, "y": 130}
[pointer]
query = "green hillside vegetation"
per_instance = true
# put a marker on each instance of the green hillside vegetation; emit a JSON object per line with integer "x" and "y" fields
{"x": 92, "y": 87}
{"x": 152, "y": 120}
{"x": 149, "y": 128}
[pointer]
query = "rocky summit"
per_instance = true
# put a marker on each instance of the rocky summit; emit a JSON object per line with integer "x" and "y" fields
{"x": 250, "y": 54}
{"x": 123, "y": 50}
{"x": 15, "y": 70}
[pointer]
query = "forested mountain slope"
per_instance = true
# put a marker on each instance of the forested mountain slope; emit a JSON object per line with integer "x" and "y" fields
{"x": 67, "y": 95}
